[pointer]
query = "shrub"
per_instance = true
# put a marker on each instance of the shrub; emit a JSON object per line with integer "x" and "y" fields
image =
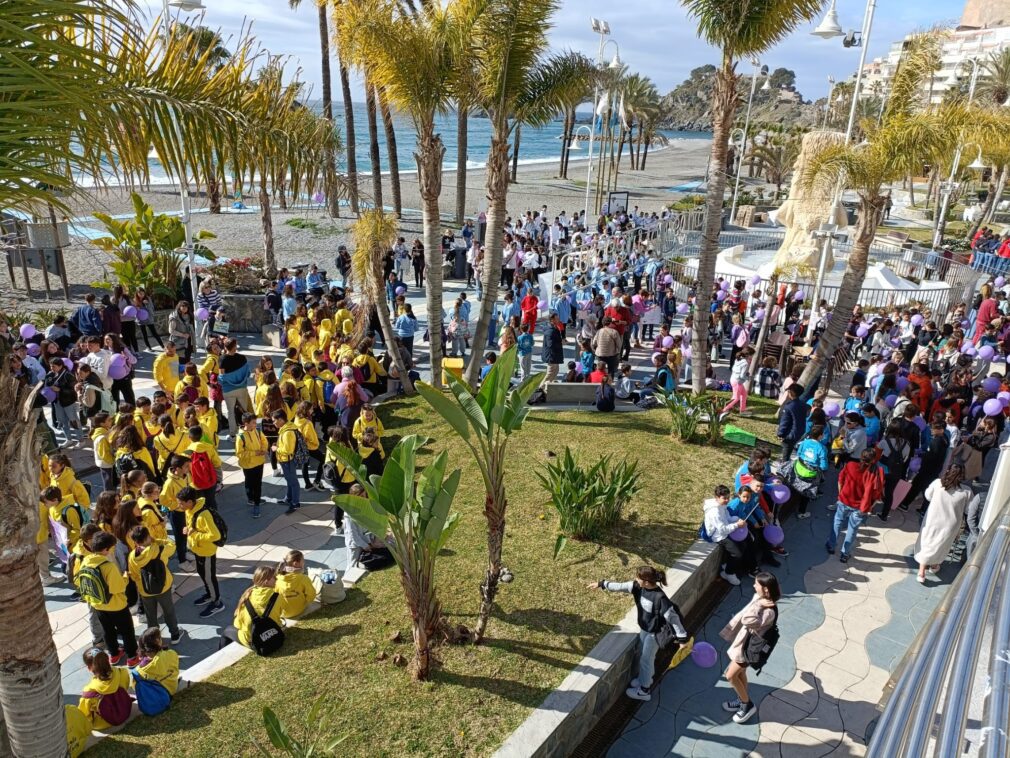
{"x": 588, "y": 500}
{"x": 685, "y": 415}
{"x": 237, "y": 275}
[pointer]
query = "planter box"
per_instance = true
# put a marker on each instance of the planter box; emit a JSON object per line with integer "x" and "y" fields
{"x": 245, "y": 314}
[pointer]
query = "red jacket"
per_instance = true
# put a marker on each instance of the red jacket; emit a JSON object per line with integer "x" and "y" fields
{"x": 621, "y": 316}
{"x": 925, "y": 396}
{"x": 860, "y": 489}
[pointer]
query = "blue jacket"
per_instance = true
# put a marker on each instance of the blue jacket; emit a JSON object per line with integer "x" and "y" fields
{"x": 563, "y": 308}
{"x": 405, "y": 326}
{"x": 813, "y": 454}
{"x": 553, "y": 350}
{"x": 793, "y": 421}
{"x": 740, "y": 509}
{"x": 236, "y": 379}
{"x": 524, "y": 344}
{"x": 88, "y": 321}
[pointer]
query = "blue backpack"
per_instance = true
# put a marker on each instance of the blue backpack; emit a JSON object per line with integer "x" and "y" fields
{"x": 152, "y": 697}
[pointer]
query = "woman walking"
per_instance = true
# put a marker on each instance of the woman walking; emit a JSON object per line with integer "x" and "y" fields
{"x": 739, "y": 380}
{"x": 145, "y": 317}
{"x": 947, "y": 497}
{"x": 654, "y": 612}
{"x": 760, "y": 615}
{"x": 180, "y": 330}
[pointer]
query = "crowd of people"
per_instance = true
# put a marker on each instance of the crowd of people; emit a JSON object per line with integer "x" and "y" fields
{"x": 923, "y": 410}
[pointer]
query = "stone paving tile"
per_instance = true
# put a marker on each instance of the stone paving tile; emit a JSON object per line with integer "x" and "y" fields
{"x": 796, "y": 743}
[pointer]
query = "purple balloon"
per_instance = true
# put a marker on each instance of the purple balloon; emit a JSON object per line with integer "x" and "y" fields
{"x": 69, "y": 364}
{"x": 542, "y": 305}
{"x": 895, "y": 342}
{"x": 759, "y": 314}
{"x": 739, "y": 534}
{"x": 668, "y": 342}
{"x": 668, "y": 279}
{"x": 49, "y": 394}
{"x": 1000, "y": 281}
{"x": 704, "y": 655}
{"x": 129, "y": 312}
{"x": 799, "y": 295}
{"x": 914, "y": 465}
{"x": 1004, "y": 397}
{"x": 683, "y": 308}
{"x": 720, "y": 295}
{"x": 400, "y": 290}
{"x": 986, "y": 352}
{"x": 900, "y": 383}
{"x": 756, "y": 279}
{"x": 832, "y": 409}
{"x": 117, "y": 367}
{"x": 971, "y": 351}
{"x": 774, "y": 535}
{"x": 917, "y": 320}
{"x": 862, "y": 331}
{"x": 965, "y": 324}
{"x": 686, "y": 353}
{"x": 920, "y": 422}
{"x": 27, "y": 331}
{"x": 992, "y": 407}
{"x": 33, "y": 349}
{"x": 780, "y": 493}
{"x": 890, "y": 400}
{"x": 203, "y": 314}
{"x": 991, "y": 384}
{"x": 724, "y": 285}
{"x": 142, "y": 314}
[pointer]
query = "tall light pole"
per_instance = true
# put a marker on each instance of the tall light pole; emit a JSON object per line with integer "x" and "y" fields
{"x": 827, "y": 104}
{"x": 603, "y": 29}
{"x": 762, "y": 71}
{"x": 948, "y": 187}
{"x": 188, "y": 6}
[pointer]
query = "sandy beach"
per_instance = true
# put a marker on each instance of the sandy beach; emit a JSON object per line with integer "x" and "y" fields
{"x": 239, "y": 234}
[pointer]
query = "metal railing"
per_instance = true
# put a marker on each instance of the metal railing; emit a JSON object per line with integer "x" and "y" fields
{"x": 956, "y": 674}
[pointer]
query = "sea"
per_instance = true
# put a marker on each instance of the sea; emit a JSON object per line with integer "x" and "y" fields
{"x": 536, "y": 145}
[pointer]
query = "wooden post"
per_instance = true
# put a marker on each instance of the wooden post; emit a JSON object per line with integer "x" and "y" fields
{"x": 59, "y": 257}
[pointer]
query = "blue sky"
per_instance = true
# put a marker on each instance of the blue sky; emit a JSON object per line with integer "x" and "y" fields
{"x": 656, "y": 37}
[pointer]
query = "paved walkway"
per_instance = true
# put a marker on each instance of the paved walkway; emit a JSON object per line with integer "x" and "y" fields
{"x": 844, "y": 627}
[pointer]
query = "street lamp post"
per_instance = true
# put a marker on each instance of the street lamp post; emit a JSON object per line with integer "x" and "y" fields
{"x": 826, "y": 234}
{"x": 603, "y": 29}
{"x": 948, "y": 187}
{"x": 187, "y": 6}
{"x": 827, "y": 104}
{"x": 759, "y": 70}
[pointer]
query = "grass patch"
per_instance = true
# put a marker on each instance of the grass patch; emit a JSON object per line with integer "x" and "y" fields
{"x": 324, "y": 229}
{"x": 545, "y": 623}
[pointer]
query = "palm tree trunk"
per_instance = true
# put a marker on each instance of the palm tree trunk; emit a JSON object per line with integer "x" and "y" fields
{"x": 462, "y": 140}
{"x": 645, "y": 154}
{"x": 566, "y": 137}
{"x": 763, "y": 329}
{"x": 723, "y": 108}
{"x": 990, "y": 202}
{"x": 31, "y": 694}
{"x": 497, "y": 191}
{"x": 419, "y": 588}
{"x": 282, "y": 195}
{"x": 266, "y": 220}
{"x": 515, "y": 155}
{"x": 1000, "y": 187}
{"x": 620, "y": 146}
{"x": 213, "y": 194}
{"x": 638, "y": 147}
{"x": 495, "y": 504}
{"x": 330, "y": 170}
{"x": 349, "y": 138}
{"x": 848, "y": 292}
{"x": 394, "y": 160}
{"x": 911, "y": 189}
{"x": 373, "y": 146}
{"x": 430, "y": 152}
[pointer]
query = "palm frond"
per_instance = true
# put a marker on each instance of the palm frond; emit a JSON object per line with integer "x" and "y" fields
{"x": 741, "y": 29}
{"x": 547, "y": 86}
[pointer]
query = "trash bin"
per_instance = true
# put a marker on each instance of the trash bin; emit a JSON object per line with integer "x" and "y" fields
{"x": 459, "y": 265}
{"x": 452, "y": 366}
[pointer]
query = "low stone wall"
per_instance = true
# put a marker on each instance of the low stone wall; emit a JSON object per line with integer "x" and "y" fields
{"x": 571, "y": 712}
{"x": 245, "y": 314}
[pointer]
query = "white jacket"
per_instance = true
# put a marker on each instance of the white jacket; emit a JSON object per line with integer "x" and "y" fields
{"x": 718, "y": 521}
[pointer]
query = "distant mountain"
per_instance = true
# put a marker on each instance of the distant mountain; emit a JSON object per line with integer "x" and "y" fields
{"x": 689, "y": 106}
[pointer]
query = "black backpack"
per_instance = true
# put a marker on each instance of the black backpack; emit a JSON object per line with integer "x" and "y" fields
{"x": 125, "y": 464}
{"x": 605, "y": 398}
{"x": 153, "y": 575}
{"x": 759, "y": 647}
{"x": 896, "y": 462}
{"x": 266, "y": 636}
{"x": 220, "y": 523}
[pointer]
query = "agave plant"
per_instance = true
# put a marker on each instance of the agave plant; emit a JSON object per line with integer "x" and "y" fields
{"x": 315, "y": 742}
{"x": 419, "y": 522}
{"x": 685, "y": 414}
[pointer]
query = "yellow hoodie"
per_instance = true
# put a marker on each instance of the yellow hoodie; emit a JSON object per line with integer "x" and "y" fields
{"x": 120, "y": 680}
{"x": 71, "y": 488}
{"x": 137, "y": 561}
{"x": 361, "y": 424}
{"x": 146, "y": 424}
{"x": 286, "y": 442}
{"x": 66, "y": 514}
{"x": 209, "y": 366}
{"x": 78, "y": 730}
{"x": 166, "y": 372}
{"x": 170, "y": 490}
{"x": 163, "y": 668}
{"x": 42, "y": 535}
{"x": 260, "y": 400}
{"x": 251, "y": 448}
{"x": 142, "y": 455}
{"x": 187, "y": 381}
{"x": 150, "y": 516}
{"x": 376, "y": 369}
{"x": 166, "y": 445}
{"x": 344, "y": 474}
{"x": 103, "y": 448}
{"x": 202, "y": 530}
{"x": 208, "y": 422}
{"x": 113, "y": 577}
{"x": 259, "y": 598}
{"x": 308, "y": 430}
{"x": 297, "y": 590}
{"x": 205, "y": 447}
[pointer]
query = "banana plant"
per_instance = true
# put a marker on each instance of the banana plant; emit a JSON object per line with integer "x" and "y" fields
{"x": 418, "y": 520}
{"x": 485, "y": 422}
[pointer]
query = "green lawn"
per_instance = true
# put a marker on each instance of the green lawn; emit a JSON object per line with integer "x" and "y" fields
{"x": 546, "y": 621}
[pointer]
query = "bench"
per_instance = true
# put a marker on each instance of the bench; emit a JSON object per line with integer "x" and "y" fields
{"x": 899, "y": 240}
{"x": 578, "y": 393}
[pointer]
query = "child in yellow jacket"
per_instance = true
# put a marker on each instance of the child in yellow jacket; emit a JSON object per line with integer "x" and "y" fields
{"x": 207, "y": 482}
{"x": 368, "y": 419}
{"x": 206, "y": 416}
{"x": 107, "y": 681}
{"x": 166, "y": 369}
{"x": 202, "y": 535}
{"x": 150, "y": 511}
{"x": 101, "y": 425}
{"x": 158, "y": 664}
{"x": 103, "y": 586}
{"x": 296, "y": 588}
{"x": 259, "y": 596}
{"x": 303, "y": 420}
{"x": 154, "y": 583}
{"x": 285, "y": 447}
{"x": 62, "y": 512}
{"x": 62, "y": 476}
{"x": 251, "y": 449}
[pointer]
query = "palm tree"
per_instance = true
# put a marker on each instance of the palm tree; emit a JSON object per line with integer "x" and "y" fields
{"x": 516, "y": 84}
{"x": 739, "y": 30}
{"x": 775, "y": 159}
{"x": 867, "y": 168}
{"x": 485, "y": 423}
{"x": 993, "y": 84}
{"x": 373, "y": 145}
{"x": 419, "y": 522}
{"x": 330, "y": 169}
{"x": 75, "y": 72}
{"x": 374, "y": 233}
{"x": 352, "y": 158}
{"x": 394, "y": 159}
{"x": 413, "y": 58}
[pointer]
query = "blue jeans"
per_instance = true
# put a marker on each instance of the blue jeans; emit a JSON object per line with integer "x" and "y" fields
{"x": 856, "y": 519}
{"x": 647, "y": 658}
{"x": 293, "y": 493}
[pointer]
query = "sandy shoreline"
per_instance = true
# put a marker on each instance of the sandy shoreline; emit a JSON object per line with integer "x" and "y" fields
{"x": 240, "y": 235}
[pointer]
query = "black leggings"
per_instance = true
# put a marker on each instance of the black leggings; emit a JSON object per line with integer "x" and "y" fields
{"x": 129, "y": 332}
{"x": 116, "y": 624}
{"x": 317, "y": 456}
{"x": 739, "y": 556}
{"x": 123, "y": 388}
{"x": 150, "y": 329}
{"x": 201, "y": 569}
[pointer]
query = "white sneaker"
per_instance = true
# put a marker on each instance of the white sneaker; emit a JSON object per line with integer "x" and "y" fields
{"x": 49, "y": 581}
{"x": 731, "y": 578}
{"x": 803, "y": 515}
{"x": 731, "y": 706}
{"x": 635, "y": 684}
{"x": 745, "y": 713}
{"x": 637, "y": 693}
{"x": 832, "y": 506}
